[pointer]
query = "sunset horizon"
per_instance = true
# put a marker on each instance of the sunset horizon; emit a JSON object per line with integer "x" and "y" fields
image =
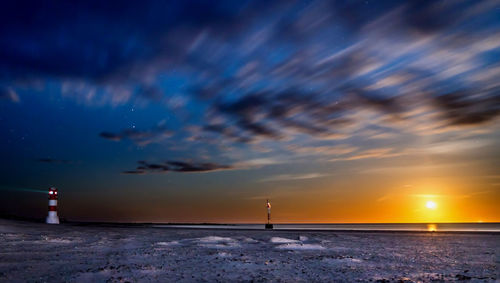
{"x": 249, "y": 141}
{"x": 199, "y": 111}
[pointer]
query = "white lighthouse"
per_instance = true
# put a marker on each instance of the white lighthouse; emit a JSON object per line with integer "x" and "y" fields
{"x": 52, "y": 218}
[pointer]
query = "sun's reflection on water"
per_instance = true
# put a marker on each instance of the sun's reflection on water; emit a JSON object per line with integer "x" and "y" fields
{"x": 431, "y": 227}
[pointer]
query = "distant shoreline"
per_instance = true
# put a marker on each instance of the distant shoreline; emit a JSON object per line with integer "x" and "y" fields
{"x": 287, "y": 227}
{"x": 35, "y": 219}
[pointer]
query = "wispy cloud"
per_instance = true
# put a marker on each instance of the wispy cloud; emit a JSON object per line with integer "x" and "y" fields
{"x": 258, "y": 162}
{"x": 457, "y": 146}
{"x": 323, "y": 150}
{"x": 290, "y": 177}
{"x": 368, "y": 154}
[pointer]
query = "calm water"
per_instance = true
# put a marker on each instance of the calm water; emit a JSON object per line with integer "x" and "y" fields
{"x": 441, "y": 227}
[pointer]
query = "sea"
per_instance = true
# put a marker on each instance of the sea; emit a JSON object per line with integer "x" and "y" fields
{"x": 408, "y": 227}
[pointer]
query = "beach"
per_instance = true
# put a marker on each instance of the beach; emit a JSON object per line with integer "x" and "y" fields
{"x": 119, "y": 253}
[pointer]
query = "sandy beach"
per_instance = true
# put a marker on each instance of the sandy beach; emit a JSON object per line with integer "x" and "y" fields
{"x": 37, "y": 252}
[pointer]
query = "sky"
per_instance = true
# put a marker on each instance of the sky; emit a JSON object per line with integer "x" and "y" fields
{"x": 199, "y": 111}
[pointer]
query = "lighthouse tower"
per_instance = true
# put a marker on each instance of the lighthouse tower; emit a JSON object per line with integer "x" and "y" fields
{"x": 268, "y": 224}
{"x": 52, "y": 218}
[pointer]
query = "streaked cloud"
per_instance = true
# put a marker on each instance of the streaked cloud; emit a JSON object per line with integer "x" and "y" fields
{"x": 370, "y": 153}
{"x": 289, "y": 177}
{"x": 458, "y": 146}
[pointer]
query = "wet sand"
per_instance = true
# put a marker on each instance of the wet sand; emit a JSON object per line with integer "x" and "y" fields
{"x": 62, "y": 253}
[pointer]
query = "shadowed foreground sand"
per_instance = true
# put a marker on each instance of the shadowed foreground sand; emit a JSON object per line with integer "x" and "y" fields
{"x": 39, "y": 252}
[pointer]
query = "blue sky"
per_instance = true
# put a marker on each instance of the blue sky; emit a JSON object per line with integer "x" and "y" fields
{"x": 220, "y": 105}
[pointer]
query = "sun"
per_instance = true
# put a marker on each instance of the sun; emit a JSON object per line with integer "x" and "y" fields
{"x": 431, "y": 205}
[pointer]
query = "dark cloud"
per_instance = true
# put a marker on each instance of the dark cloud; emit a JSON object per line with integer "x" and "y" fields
{"x": 463, "y": 108}
{"x": 246, "y": 106}
{"x": 387, "y": 105}
{"x": 180, "y": 166}
{"x": 302, "y": 112}
{"x": 254, "y": 113}
{"x": 176, "y": 166}
{"x": 110, "y": 136}
{"x": 267, "y": 115}
{"x": 153, "y": 167}
{"x": 134, "y": 172}
{"x": 137, "y": 136}
{"x": 426, "y": 16}
{"x": 227, "y": 132}
{"x": 257, "y": 129}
